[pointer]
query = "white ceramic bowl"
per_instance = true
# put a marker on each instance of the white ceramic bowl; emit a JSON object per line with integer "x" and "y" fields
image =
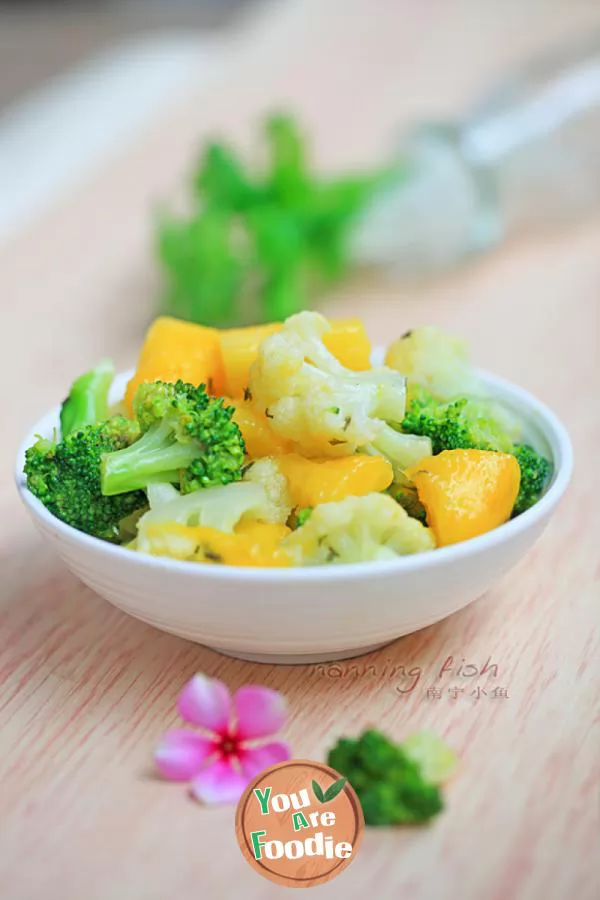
{"x": 314, "y": 614}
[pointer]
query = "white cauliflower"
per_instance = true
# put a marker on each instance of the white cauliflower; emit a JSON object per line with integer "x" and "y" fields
{"x": 219, "y": 507}
{"x": 357, "y": 529}
{"x": 436, "y": 361}
{"x": 325, "y": 408}
{"x": 278, "y": 507}
{"x": 160, "y": 493}
{"x": 263, "y": 496}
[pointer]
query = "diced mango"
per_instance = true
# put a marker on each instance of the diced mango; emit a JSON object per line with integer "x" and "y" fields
{"x": 239, "y": 349}
{"x": 315, "y": 481}
{"x": 259, "y": 438}
{"x": 466, "y": 492}
{"x": 175, "y": 350}
{"x": 252, "y": 544}
{"x": 347, "y": 341}
{"x": 260, "y": 543}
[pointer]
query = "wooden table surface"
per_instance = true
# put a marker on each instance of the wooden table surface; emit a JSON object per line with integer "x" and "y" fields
{"x": 86, "y": 691}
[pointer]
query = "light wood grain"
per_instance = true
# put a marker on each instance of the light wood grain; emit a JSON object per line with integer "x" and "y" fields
{"x": 86, "y": 691}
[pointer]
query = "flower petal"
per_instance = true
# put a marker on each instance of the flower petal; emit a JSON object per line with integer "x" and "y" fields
{"x": 181, "y": 754}
{"x": 219, "y": 783}
{"x": 260, "y": 711}
{"x": 205, "y": 702}
{"x": 254, "y": 759}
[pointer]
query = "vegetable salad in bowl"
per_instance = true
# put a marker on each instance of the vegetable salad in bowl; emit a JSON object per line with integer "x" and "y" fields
{"x": 282, "y": 445}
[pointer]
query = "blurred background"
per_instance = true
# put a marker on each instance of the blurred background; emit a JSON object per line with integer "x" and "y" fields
{"x": 233, "y": 161}
{"x": 40, "y": 39}
{"x": 487, "y": 125}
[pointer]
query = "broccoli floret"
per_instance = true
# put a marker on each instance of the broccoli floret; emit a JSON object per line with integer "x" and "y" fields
{"x": 461, "y": 424}
{"x": 326, "y": 409}
{"x": 388, "y": 783}
{"x": 465, "y": 424}
{"x": 357, "y": 529}
{"x": 188, "y": 439}
{"x": 535, "y": 470}
{"x": 65, "y": 477}
{"x": 87, "y": 403}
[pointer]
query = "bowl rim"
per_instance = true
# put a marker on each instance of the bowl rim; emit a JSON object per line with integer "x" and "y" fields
{"x": 548, "y": 423}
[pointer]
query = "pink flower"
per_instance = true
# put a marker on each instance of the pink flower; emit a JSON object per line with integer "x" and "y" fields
{"x": 220, "y": 765}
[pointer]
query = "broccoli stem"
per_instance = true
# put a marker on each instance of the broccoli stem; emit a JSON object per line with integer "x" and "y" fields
{"x": 87, "y": 403}
{"x": 155, "y": 457}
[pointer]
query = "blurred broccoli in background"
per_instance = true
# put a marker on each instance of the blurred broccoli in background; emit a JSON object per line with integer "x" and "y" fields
{"x": 256, "y": 246}
{"x": 397, "y": 784}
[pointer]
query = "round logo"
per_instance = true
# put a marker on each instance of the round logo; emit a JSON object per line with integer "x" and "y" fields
{"x": 299, "y": 823}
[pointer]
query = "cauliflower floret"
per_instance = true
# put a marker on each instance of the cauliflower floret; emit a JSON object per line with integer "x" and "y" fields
{"x": 436, "y": 361}
{"x": 324, "y": 408}
{"x": 357, "y": 529}
{"x": 160, "y": 493}
{"x": 267, "y": 473}
{"x": 217, "y": 507}
{"x": 262, "y": 496}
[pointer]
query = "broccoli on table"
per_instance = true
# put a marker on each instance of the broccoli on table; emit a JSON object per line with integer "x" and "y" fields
{"x": 464, "y": 424}
{"x": 326, "y": 409}
{"x": 188, "y": 438}
{"x": 65, "y": 477}
{"x": 388, "y": 782}
{"x": 87, "y": 403}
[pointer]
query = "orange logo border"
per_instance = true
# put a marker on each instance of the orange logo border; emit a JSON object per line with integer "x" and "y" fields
{"x": 243, "y": 838}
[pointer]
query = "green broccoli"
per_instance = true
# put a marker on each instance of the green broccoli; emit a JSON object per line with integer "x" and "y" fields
{"x": 388, "y": 782}
{"x": 535, "y": 470}
{"x": 87, "y": 403}
{"x": 459, "y": 424}
{"x": 188, "y": 438}
{"x": 65, "y": 477}
{"x": 479, "y": 425}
